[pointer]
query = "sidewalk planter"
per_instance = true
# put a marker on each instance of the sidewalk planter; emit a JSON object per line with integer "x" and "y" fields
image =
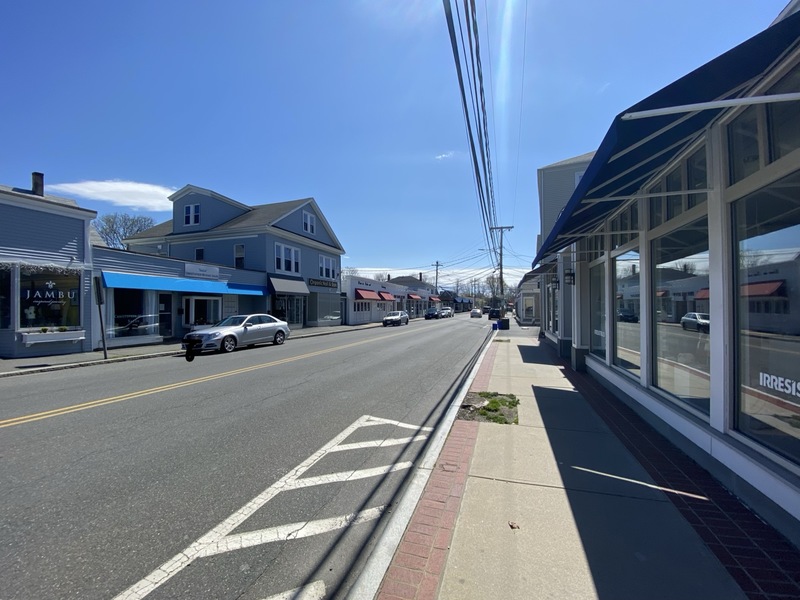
{"x": 30, "y": 338}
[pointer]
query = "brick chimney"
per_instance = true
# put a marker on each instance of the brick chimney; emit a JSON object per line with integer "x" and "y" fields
{"x": 388, "y": 277}
{"x": 37, "y": 183}
{"x": 420, "y": 275}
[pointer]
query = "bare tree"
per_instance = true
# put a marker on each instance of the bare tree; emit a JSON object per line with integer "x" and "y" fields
{"x": 381, "y": 277}
{"x": 350, "y": 272}
{"x": 687, "y": 267}
{"x": 493, "y": 283}
{"x": 115, "y": 227}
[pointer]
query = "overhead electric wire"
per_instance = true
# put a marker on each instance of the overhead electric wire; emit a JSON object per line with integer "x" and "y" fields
{"x": 521, "y": 104}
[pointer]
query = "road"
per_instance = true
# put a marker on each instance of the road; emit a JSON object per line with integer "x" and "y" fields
{"x": 235, "y": 476}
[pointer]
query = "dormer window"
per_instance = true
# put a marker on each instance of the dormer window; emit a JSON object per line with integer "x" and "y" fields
{"x": 191, "y": 214}
{"x": 309, "y": 223}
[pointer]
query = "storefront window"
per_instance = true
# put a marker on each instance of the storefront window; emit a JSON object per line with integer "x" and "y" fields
{"x": 743, "y": 145}
{"x": 680, "y": 299}
{"x": 627, "y": 307}
{"x": 132, "y": 313}
{"x": 49, "y": 299}
{"x": 201, "y": 310}
{"x": 5, "y": 299}
{"x": 768, "y": 316}
{"x": 597, "y": 318}
{"x": 696, "y": 177}
{"x": 784, "y": 118}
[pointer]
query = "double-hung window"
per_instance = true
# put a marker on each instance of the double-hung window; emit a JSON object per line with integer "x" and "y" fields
{"x": 309, "y": 223}
{"x": 238, "y": 256}
{"x": 287, "y": 259}
{"x": 327, "y": 267}
{"x": 191, "y": 214}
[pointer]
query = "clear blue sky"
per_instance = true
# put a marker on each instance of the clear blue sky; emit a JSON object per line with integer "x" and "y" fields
{"x": 353, "y": 102}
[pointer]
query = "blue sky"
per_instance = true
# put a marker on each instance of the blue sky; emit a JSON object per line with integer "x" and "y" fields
{"x": 353, "y": 102}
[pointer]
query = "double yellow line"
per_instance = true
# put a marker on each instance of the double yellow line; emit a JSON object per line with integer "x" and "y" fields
{"x": 174, "y": 386}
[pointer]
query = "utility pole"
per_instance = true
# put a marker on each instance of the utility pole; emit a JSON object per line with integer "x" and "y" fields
{"x": 502, "y": 291}
{"x": 436, "y": 264}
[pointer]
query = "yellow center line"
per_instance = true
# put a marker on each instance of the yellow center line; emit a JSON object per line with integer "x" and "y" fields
{"x": 174, "y": 386}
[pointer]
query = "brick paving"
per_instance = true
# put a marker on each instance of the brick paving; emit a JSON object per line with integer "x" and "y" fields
{"x": 759, "y": 558}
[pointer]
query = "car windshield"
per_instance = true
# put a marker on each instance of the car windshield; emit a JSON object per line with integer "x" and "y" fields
{"x": 394, "y": 313}
{"x": 703, "y": 316}
{"x": 231, "y": 321}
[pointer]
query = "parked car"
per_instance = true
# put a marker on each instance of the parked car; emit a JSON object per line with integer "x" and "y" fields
{"x": 494, "y": 313}
{"x": 627, "y": 315}
{"x": 447, "y": 312}
{"x": 237, "y": 330}
{"x": 433, "y": 313}
{"x": 696, "y": 321}
{"x": 396, "y": 317}
{"x": 475, "y": 313}
{"x": 485, "y": 309}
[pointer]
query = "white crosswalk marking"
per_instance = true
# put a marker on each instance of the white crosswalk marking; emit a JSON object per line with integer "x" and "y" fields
{"x": 220, "y": 540}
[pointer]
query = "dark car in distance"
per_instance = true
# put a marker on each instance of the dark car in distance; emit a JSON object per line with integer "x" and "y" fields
{"x": 495, "y": 313}
{"x": 627, "y": 315}
{"x": 433, "y": 313}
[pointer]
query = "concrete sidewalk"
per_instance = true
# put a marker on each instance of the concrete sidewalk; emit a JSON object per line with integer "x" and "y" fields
{"x": 582, "y": 499}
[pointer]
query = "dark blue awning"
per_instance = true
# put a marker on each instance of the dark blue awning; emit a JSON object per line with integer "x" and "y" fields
{"x": 633, "y": 150}
{"x": 178, "y": 284}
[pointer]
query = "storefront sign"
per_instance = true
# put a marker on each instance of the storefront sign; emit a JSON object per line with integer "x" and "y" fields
{"x": 49, "y": 295}
{"x": 322, "y": 283}
{"x": 786, "y": 385}
{"x": 202, "y": 271}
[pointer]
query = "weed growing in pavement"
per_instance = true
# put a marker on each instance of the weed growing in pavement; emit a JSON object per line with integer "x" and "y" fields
{"x": 490, "y": 407}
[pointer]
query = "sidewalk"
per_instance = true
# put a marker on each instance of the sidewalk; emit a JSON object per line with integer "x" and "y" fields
{"x": 582, "y": 499}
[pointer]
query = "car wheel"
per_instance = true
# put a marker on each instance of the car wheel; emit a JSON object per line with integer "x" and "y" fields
{"x": 280, "y": 337}
{"x": 684, "y": 326}
{"x": 385, "y": 324}
{"x": 228, "y": 344}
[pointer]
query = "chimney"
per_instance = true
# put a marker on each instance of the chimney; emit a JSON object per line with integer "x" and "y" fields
{"x": 388, "y": 277}
{"x": 37, "y": 183}
{"x": 420, "y": 275}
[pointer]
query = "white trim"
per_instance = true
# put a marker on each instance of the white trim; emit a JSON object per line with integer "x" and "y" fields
{"x": 701, "y": 106}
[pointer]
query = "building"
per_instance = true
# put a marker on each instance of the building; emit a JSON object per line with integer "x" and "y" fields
{"x": 45, "y": 273}
{"x": 692, "y": 203}
{"x": 290, "y": 243}
{"x": 368, "y": 300}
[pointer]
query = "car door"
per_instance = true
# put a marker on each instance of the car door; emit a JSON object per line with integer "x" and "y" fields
{"x": 269, "y": 327}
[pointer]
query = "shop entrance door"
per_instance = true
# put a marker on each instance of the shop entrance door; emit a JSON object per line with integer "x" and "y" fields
{"x": 165, "y": 315}
{"x": 291, "y": 309}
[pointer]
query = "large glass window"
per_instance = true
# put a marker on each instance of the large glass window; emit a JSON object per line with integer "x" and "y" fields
{"x": 49, "y": 299}
{"x": 627, "y": 305}
{"x": 133, "y": 313}
{"x": 696, "y": 177}
{"x": 201, "y": 310}
{"x": 597, "y": 318}
{"x": 680, "y": 301}
{"x": 743, "y": 145}
{"x": 784, "y": 118}
{"x": 768, "y": 316}
{"x": 5, "y": 298}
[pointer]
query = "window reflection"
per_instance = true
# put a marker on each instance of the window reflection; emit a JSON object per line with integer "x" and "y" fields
{"x": 680, "y": 286}
{"x": 768, "y": 291}
{"x": 598, "y": 310}
{"x": 626, "y": 314}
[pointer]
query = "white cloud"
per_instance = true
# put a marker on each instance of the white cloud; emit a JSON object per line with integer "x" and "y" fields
{"x": 128, "y": 194}
{"x": 450, "y": 154}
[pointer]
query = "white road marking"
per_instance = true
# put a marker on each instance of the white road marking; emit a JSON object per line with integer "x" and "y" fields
{"x": 292, "y": 531}
{"x": 312, "y": 591}
{"x": 219, "y": 540}
{"x": 379, "y": 443}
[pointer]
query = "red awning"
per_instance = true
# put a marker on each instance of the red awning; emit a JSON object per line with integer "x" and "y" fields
{"x": 414, "y": 297}
{"x": 702, "y": 294}
{"x": 435, "y": 299}
{"x": 763, "y": 288}
{"x": 366, "y": 295}
{"x": 386, "y": 296}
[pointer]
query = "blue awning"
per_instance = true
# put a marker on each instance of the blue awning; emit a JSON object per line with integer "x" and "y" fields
{"x": 178, "y": 284}
{"x": 634, "y": 150}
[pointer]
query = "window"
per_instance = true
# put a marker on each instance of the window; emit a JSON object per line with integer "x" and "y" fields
{"x": 597, "y": 318}
{"x": 49, "y": 299}
{"x": 199, "y": 254}
{"x": 767, "y": 225}
{"x": 238, "y": 256}
{"x": 287, "y": 259}
{"x": 5, "y": 298}
{"x": 696, "y": 177}
{"x": 309, "y": 223}
{"x": 784, "y": 118}
{"x": 327, "y": 267}
{"x": 201, "y": 310}
{"x": 191, "y": 214}
{"x": 681, "y": 354}
{"x": 674, "y": 201}
{"x": 656, "y": 207}
{"x": 626, "y": 314}
{"x": 743, "y": 145}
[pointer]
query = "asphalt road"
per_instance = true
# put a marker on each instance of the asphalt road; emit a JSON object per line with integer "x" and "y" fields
{"x": 234, "y": 476}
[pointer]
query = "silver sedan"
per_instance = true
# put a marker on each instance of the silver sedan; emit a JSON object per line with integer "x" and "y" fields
{"x": 238, "y": 330}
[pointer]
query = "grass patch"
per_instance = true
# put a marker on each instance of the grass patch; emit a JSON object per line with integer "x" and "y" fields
{"x": 490, "y": 407}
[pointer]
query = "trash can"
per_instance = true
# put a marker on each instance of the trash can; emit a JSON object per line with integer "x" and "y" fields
{"x": 504, "y": 323}
{"x": 494, "y": 326}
